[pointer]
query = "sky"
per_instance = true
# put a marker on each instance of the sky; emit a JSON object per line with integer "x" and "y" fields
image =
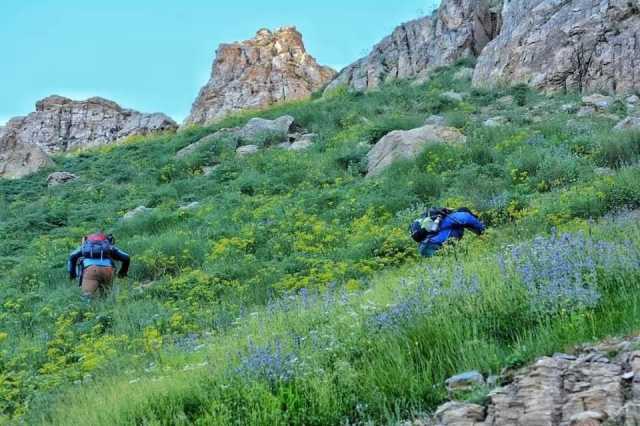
{"x": 154, "y": 55}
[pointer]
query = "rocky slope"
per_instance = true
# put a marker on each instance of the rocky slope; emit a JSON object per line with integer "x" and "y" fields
{"x": 599, "y": 385}
{"x": 269, "y": 68}
{"x": 459, "y": 29}
{"x": 60, "y": 124}
{"x": 585, "y": 45}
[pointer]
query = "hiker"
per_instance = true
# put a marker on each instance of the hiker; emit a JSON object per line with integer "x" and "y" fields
{"x": 93, "y": 263}
{"x": 438, "y": 225}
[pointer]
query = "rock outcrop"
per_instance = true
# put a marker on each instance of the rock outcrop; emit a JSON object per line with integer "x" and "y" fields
{"x": 60, "y": 178}
{"x": 407, "y": 144}
{"x": 583, "y": 45}
{"x": 18, "y": 159}
{"x": 459, "y": 29}
{"x": 60, "y": 124}
{"x": 599, "y": 385}
{"x": 270, "y": 68}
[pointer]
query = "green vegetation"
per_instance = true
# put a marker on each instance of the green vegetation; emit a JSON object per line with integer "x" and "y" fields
{"x": 292, "y": 293}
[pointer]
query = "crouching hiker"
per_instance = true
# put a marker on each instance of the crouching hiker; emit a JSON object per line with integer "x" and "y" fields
{"x": 439, "y": 225}
{"x": 94, "y": 264}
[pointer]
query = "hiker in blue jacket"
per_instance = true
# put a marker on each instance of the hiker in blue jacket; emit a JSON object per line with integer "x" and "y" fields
{"x": 94, "y": 263}
{"x": 439, "y": 225}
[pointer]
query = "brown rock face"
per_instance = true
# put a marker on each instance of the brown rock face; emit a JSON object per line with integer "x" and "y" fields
{"x": 598, "y": 386}
{"x": 270, "y": 68}
{"x": 584, "y": 45}
{"x": 459, "y": 29}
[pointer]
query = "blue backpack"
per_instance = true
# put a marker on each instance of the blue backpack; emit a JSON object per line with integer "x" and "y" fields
{"x": 428, "y": 225}
{"x": 97, "y": 246}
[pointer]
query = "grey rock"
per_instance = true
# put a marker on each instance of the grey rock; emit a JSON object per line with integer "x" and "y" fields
{"x": 586, "y": 111}
{"x": 191, "y": 206}
{"x": 459, "y": 414}
{"x": 19, "y": 159}
{"x": 562, "y": 390}
{"x": 59, "y": 178}
{"x": 452, "y": 96}
{"x": 257, "y": 127}
{"x": 284, "y": 145}
{"x": 570, "y": 108}
{"x": 138, "y": 211}
{"x": 208, "y": 170}
{"x": 494, "y": 122}
{"x": 598, "y": 101}
{"x": 459, "y": 29}
{"x": 272, "y": 67}
{"x": 629, "y": 123}
{"x": 632, "y": 100}
{"x": 60, "y": 124}
{"x": 436, "y": 120}
{"x": 407, "y": 144}
{"x": 465, "y": 381}
{"x": 582, "y": 45}
{"x": 246, "y": 150}
{"x": 301, "y": 145}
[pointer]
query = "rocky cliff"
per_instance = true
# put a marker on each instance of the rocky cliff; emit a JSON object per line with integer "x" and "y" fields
{"x": 584, "y": 45}
{"x": 459, "y": 29}
{"x": 269, "y": 68}
{"x": 60, "y": 124}
{"x": 598, "y": 385}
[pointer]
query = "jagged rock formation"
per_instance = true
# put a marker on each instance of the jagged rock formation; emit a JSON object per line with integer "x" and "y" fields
{"x": 599, "y": 385}
{"x": 407, "y": 144}
{"x": 585, "y": 45}
{"x": 19, "y": 159}
{"x": 272, "y": 67}
{"x": 60, "y": 124}
{"x": 459, "y": 29}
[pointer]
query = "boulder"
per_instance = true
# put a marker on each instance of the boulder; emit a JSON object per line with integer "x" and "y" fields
{"x": 629, "y": 123}
{"x": 191, "y": 206}
{"x": 60, "y": 124}
{"x": 301, "y": 145}
{"x": 598, "y": 101}
{"x": 568, "y": 45}
{"x": 495, "y": 122}
{"x": 138, "y": 211}
{"x": 464, "y": 382}
{"x": 246, "y": 150}
{"x": 632, "y": 100}
{"x": 59, "y": 178}
{"x": 586, "y": 111}
{"x": 19, "y": 159}
{"x": 459, "y": 414}
{"x": 257, "y": 127}
{"x": 452, "y": 96}
{"x": 271, "y": 67}
{"x": 436, "y": 120}
{"x": 407, "y": 144}
{"x": 459, "y": 29}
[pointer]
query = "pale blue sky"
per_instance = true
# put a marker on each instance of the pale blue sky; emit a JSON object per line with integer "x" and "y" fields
{"x": 154, "y": 55}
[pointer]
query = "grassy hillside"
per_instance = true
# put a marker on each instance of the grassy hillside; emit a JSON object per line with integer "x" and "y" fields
{"x": 292, "y": 294}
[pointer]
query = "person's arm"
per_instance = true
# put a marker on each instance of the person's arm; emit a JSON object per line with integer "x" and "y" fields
{"x": 72, "y": 264}
{"x": 468, "y": 221}
{"x": 123, "y": 257}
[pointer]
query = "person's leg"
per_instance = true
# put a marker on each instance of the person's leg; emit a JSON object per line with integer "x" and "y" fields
{"x": 105, "y": 279}
{"x": 428, "y": 250}
{"x": 90, "y": 281}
